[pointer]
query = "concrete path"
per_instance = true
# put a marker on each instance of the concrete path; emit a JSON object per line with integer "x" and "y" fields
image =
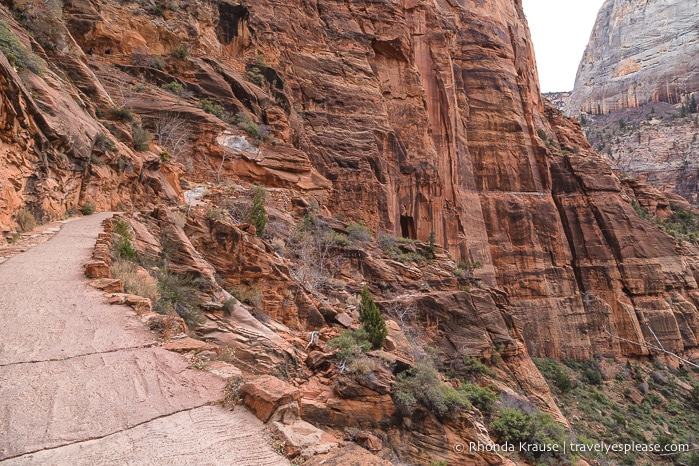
{"x": 82, "y": 382}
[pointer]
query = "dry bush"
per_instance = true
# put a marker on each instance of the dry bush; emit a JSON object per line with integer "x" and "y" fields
{"x": 172, "y": 133}
{"x": 25, "y": 220}
{"x": 134, "y": 283}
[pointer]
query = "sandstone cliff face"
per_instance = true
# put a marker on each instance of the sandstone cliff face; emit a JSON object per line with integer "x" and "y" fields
{"x": 639, "y": 51}
{"x": 411, "y": 117}
{"x": 55, "y": 155}
{"x": 424, "y": 119}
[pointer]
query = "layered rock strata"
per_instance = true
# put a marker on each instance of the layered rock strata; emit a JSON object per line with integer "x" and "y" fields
{"x": 412, "y": 117}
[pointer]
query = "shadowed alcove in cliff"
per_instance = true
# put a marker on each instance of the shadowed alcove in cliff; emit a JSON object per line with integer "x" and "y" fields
{"x": 407, "y": 227}
{"x": 233, "y": 19}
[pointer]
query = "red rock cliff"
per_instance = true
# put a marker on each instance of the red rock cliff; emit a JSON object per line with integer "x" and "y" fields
{"x": 415, "y": 116}
{"x": 427, "y": 116}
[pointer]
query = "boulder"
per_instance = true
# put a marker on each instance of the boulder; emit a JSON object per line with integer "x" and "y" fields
{"x": 97, "y": 269}
{"x": 369, "y": 441}
{"x": 109, "y": 285}
{"x": 343, "y": 319}
{"x": 265, "y": 394}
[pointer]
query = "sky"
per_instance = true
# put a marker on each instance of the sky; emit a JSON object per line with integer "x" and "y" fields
{"x": 560, "y": 30}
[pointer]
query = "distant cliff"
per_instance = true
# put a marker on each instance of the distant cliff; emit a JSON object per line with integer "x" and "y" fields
{"x": 640, "y": 51}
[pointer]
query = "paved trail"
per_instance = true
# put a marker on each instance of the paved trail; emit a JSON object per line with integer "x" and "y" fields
{"x": 82, "y": 382}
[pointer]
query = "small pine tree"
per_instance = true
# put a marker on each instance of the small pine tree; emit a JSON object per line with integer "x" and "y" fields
{"x": 693, "y": 104}
{"x": 372, "y": 320}
{"x": 257, "y": 214}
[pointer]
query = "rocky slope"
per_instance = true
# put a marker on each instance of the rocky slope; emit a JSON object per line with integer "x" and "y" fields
{"x": 640, "y": 51}
{"x": 410, "y": 117}
{"x": 653, "y": 143}
{"x": 57, "y": 154}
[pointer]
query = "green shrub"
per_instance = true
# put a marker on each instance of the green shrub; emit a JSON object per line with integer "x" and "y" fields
{"x": 483, "y": 398}
{"x": 175, "y": 87}
{"x": 372, "y": 320}
{"x": 358, "y": 233}
{"x": 213, "y": 108}
{"x": 592, "y": 376}
{"x": 422, "y": 384}
{"x": 25, "y": 220}
{"x": 177, "y": 293}
{"x": 431, "y": 246}
{"x": 255, "y": 76}
{"x": 103, "y": 143}
{"x": 474, "y": 366}
{"x": 552, "y": 371}
{"x": 260, "y": 133}
{"x": 180, "y": 52}
{"x": 465, "y": 269}
{"x": 17, "y": 54}
{"x": 257, "y": 214}
{"x": 123, "y": 249}
{"x": 122, "y": 114}
{"x": 121, "y": 227}
{"x": 88, "y": 208}
{"x": 350, "y": 344}
{"x": 141, "y": 138}
{"x": 514, "y": 426}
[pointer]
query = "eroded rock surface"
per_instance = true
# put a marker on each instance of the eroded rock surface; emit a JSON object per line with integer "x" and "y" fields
{"x": 639, "y": 51}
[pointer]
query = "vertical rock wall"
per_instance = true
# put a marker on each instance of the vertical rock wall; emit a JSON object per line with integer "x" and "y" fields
{"x": 640, "y": 51}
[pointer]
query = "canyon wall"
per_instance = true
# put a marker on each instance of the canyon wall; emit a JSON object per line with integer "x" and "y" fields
{"x": 410, "y": 116}
{"x": 639, "y": 51}
{"x": 427, "y": 116}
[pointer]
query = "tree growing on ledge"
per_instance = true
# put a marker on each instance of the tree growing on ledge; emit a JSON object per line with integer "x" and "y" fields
{"x": 372, "y": 321}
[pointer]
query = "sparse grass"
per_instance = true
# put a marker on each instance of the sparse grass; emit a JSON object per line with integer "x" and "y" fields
{"x": 357, "y": 233}
{"x": 103, "y": 143}
{"x": 609, "y": 414}
{"x": 26, "y": 221}
{"x": 127, "y": 272}
{"x": 95, "y": 160}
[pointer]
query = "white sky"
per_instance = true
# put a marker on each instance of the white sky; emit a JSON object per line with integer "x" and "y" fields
{"x": 560, "y": 30}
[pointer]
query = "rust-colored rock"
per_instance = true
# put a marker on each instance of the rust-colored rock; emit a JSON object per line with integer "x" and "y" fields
{"x": 108, "y": 285}
{"x": 184, "y": 345}
{"x": 97, "y": 269}
{"x": 369, "y": 441}
{"x": 349, "y": 454}
{"x": 265, "y": 394}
